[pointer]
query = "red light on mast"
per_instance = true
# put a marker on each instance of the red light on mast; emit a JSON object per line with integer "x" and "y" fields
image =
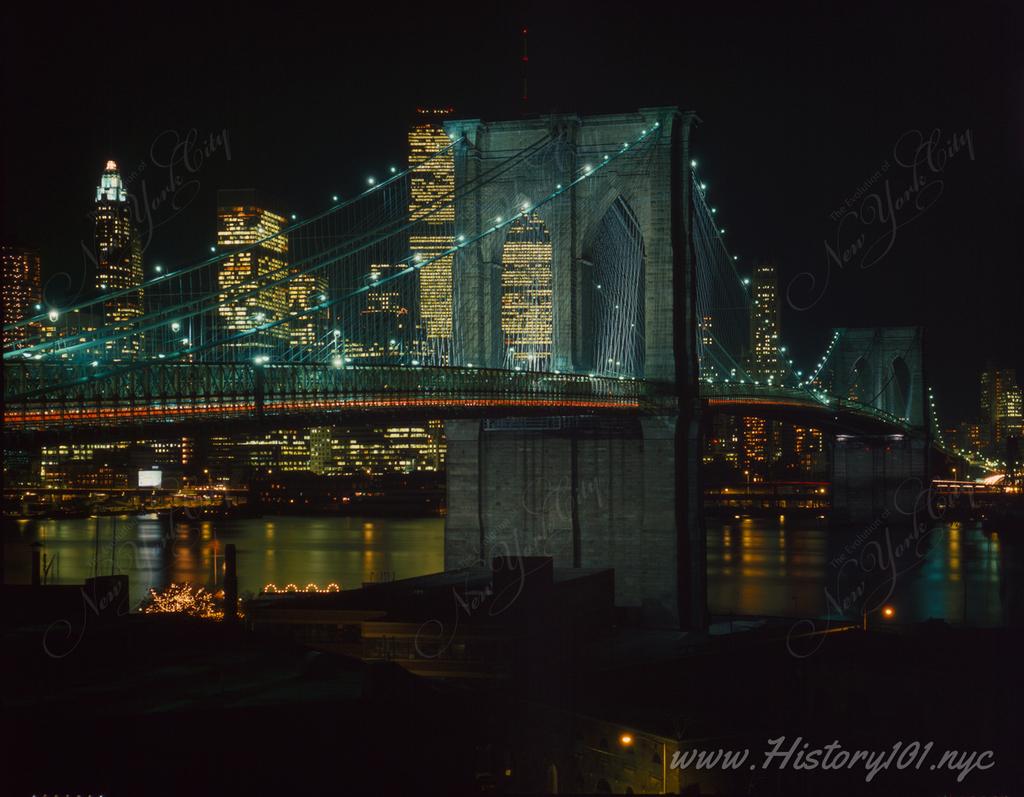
{"x": 525, "y": 60}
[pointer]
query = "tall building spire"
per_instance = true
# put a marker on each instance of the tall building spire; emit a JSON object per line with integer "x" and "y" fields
{"x": 118, "y": 262}
{"x": 111, "y": 187}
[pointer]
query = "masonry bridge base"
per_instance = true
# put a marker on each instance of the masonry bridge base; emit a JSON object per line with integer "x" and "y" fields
{"x": 591, "y": 493}
{"x": 879, "y": 477}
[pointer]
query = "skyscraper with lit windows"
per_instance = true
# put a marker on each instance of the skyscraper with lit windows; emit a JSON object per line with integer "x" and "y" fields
{"x": 765, "y": 360}
{"x": 305, "y": 329}
{"x": 1001, "y": 406}
{"x": 432, "y": 213}
{"x": 21, "y": 289}
{"x": 385, "y": 318}
{"x": 118, "y": 264}
{"x": 526, "y": 310}
{"x": 258, "y": 245}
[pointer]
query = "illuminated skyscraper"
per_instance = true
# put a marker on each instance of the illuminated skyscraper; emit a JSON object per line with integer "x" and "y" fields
{"x": 1001, "y": 406}
{"x": 707, "y": 336}
{"x": 809, "y": 450}
{"x": 526, "y": 312}
{"x": 765, "y": 361}
{"x": 385, "y": 319}
{"x": 21, "y": 290}
{"x": 244, "y": 304}
{"x": 118, "y": 262}
{"x": 432, "y": 212}
{"x": 305, "y": 329}
{"x": 756, "y": 437}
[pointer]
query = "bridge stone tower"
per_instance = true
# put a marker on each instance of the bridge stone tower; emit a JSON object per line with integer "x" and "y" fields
{"x": 879, "y": 477}
{"x": 646, "y": 185}
{"x": 622, "y": 494}
{"x": 883, "y": 367}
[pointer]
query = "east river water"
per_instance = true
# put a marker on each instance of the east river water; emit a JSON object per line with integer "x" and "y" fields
{"x": 755, "y": 566}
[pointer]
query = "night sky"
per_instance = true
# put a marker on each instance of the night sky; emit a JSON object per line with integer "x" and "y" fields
{"x": 800, "y": 108}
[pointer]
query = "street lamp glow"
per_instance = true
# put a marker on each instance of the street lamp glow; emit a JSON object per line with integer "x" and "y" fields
{"x": 888, "y": 612}
{"x": 53, "y": 315}
{"x": 370, "y": 180}
{"x": 175, "y": 326}
{"x": 158, "y": 268}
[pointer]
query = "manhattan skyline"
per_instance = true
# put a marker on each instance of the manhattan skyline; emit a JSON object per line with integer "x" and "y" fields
{"x": 777, "y": 199}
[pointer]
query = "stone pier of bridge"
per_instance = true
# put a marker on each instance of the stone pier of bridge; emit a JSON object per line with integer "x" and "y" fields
{"x": 599, "y": 494}
{"x": 882, "y": 475}
{"x": 590, "y": 493}
{"x": 879, "y": 478}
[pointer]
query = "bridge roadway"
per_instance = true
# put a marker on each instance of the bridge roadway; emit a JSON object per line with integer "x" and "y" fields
{"x": 62, "y": 399}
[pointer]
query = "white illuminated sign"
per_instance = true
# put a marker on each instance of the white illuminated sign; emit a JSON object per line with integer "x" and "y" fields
{"x": 150, "y": 478}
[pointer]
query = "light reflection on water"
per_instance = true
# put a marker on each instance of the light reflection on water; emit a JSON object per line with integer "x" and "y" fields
{"x": 755, "y": 566}
{"x": 278, "y": 550}
{"x": 761, "y": 567}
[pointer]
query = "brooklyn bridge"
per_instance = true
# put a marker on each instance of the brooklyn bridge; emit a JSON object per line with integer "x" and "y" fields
{"x": 622, "y": 314}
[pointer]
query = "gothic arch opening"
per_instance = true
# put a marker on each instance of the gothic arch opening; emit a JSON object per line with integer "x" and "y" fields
{"x": 612, "y": 295}
{"x": 901, "y": 387}
{"x": 552, "y": 779}
{"x": 860, "y": 380}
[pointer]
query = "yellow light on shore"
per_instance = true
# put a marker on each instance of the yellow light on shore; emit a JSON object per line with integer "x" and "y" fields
{"x": 626, "y": 740}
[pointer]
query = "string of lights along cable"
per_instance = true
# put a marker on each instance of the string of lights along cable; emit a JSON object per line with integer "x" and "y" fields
{"x": 389, "y": 276}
